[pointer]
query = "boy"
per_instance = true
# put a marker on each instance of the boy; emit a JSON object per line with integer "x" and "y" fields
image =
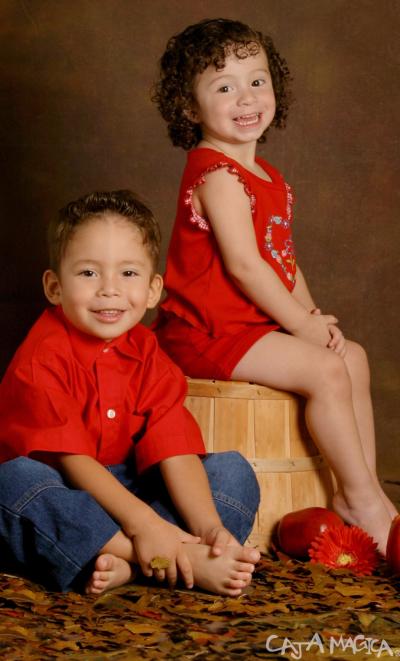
{"x": 99, "y": 458}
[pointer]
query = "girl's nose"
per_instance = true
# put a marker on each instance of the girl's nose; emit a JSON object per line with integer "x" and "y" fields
{"x": 246, "y": 96}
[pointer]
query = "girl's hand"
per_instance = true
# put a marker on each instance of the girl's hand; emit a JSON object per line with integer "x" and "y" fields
{"x": 219, "y": 538}
{"x": 337, "y": 342}
{"x": 315, "y": 328}
{"x": 159, "y": 538}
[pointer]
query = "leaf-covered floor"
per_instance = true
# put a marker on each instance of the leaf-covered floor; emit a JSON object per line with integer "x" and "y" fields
{"x": 334, "y": 614}
{"x": 291, "y": 600}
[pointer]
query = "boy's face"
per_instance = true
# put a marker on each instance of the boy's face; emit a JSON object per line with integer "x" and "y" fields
{"x": 105, "y": 282}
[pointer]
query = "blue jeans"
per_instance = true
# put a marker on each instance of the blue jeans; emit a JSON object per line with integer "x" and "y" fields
{"x": 53, "y": 533}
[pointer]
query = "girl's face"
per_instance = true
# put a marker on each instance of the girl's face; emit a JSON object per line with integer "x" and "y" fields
{"x": 237, "y": 103}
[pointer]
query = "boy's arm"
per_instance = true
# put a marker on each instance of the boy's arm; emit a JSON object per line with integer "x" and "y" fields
{"x": 152, "y": 536}
{"x": 187, "y": 484}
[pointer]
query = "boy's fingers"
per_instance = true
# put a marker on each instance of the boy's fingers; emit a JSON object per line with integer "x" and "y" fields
{"x": 172, "y": 575}
{"x": 159, "y": 574}
{"x": 188, "y": 538}
{"x": 186, "y": 570}
{"x": 220, "y": 542}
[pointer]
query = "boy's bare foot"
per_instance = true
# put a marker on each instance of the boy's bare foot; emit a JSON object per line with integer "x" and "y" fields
{"x": 110, "y": 572}
{"x": 226, "y": 574}
{"x": 373, "y": 517}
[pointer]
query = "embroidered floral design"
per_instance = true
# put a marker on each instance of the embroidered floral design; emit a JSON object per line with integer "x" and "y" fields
{"x": 289, "y": 201}
{"x": 195, "y": 218}
{"x": 284, "y": 257}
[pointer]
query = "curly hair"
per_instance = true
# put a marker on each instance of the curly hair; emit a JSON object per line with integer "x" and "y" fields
{"x": 95, "y": 205}
{"x": 191, "y": 52}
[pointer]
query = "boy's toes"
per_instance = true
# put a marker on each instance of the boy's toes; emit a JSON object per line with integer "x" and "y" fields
{"x": 104, "y": 562}
{"x": 249, "y": 555}
{"x": 241, "y": 576}
{"x": 244, "y": 567}
{"x": 235, "y": 583}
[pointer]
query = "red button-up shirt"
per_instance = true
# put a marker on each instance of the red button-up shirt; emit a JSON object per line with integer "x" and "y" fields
{"x": 69, "y": 392}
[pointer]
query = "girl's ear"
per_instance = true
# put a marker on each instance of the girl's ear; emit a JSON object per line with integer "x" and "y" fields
{"x": 192, "y": 115}
{"x": 52, "y": 287}
{"x": 155, "y": 291}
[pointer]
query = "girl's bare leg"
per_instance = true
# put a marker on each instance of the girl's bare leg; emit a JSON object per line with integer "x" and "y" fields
{"x": 288, "y": 363}
{"x": 357, "y": 364}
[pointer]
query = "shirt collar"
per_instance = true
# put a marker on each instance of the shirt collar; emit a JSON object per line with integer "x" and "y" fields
{"x": 87, "y": 348}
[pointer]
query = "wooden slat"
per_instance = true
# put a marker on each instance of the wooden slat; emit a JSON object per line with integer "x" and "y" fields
{"x": 234, "y": 390}
{"x": 267, "y": 426}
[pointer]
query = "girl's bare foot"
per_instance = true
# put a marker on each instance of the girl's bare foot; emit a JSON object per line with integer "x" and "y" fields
{"x": 110, "y": 572}
{"x": 226, "y": 574}
{"x": 389, "y": 505}
{"x": 373, "y": 517}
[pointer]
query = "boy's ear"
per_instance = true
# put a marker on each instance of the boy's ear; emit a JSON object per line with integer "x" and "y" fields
{"x": 52, "y": 287}
{"x": 155, "y": 291}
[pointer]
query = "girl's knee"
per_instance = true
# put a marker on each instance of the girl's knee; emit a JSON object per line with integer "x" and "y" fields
{"x": 356, "y": 355}
{"x": 333, "y": 375}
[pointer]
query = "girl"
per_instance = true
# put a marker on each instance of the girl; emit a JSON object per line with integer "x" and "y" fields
{"x": 237, "y": 304}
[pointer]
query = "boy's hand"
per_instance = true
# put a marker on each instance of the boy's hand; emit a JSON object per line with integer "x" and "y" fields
{"x": 159, "y": 538}
{"x": 219, "y": 538}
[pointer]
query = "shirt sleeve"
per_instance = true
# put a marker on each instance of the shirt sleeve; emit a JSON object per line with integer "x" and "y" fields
{"x": 38, "y": 418}
{"x": 171, "y": 430}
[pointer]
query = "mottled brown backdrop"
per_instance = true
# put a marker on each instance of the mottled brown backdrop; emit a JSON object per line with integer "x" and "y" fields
{"x": 76, "y": 115}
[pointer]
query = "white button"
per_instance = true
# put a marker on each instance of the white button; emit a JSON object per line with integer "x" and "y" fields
{"x": 111, "y": 414}
{"x": 106, "y": 349}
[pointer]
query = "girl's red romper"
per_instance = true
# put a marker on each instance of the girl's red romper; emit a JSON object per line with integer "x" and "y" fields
{"x": 206, "y": 324}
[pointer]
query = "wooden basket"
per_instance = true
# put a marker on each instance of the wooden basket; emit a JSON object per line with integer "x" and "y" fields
{"x": 267, "y": 427}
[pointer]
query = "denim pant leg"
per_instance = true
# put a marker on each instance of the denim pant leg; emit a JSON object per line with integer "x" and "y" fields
{"x": 50, "y": 531}
{"x": 235, "y": 491}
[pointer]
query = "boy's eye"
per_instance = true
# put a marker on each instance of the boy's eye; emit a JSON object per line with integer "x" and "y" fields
{"x": 87, "y": 273}
{"x": 129, "y": 273}
{"x": 258, "y": 82}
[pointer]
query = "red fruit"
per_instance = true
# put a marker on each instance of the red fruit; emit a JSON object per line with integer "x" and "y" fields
{"x": 296, "y": 530}
{"x": 393, "y": 546}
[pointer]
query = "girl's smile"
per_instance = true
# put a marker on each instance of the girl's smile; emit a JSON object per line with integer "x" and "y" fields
{"x": 236, "y": 104}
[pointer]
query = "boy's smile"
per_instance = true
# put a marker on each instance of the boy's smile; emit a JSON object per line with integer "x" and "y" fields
{"x": 106, "y": 280}
{"x": 236, "y": 104}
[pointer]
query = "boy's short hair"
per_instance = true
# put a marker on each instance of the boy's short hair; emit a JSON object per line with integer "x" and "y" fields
{"x": 191, "y": 52}
{"x": 95, "y": 205}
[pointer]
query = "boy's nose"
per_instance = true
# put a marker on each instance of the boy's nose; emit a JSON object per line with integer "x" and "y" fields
{"x": 108, "y": 287}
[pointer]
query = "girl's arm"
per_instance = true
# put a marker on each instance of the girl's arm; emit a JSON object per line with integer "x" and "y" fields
{"x": 301, "y": 292}
{"x": 223, "y": 201}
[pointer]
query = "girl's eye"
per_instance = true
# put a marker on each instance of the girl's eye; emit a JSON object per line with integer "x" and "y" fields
{"x": 129, "y": 274}
{"x": 224, "y": 89}
{"x": 258, "y": 82}
{"x": 87, "y": 273}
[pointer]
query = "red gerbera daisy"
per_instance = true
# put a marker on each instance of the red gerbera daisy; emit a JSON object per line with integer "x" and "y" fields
{"x": 345, "y": 547}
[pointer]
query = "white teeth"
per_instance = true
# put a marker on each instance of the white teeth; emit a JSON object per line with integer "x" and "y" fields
{"x": 248, "y": 120}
